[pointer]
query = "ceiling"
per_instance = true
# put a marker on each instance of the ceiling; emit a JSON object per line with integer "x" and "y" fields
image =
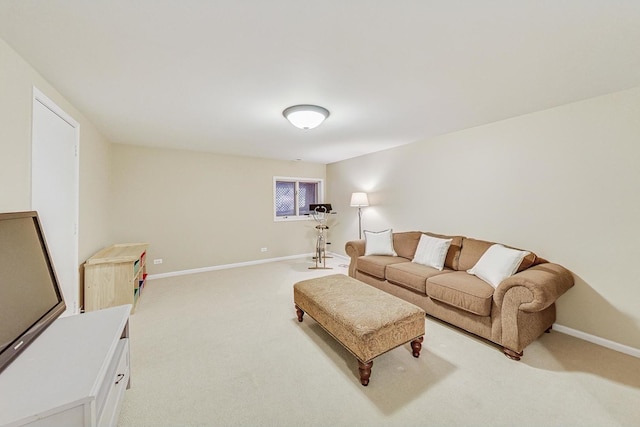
{"x": 215, "y": 75}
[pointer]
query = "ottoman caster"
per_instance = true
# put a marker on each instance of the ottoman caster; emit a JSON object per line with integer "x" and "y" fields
{"x": 365, "y": 372}
{"x": 416, "y": 346}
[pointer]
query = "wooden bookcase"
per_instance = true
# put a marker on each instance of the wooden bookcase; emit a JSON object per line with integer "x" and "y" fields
{"x": 115, "y": 276}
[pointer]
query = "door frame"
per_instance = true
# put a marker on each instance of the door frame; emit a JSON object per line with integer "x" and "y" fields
{"x": 40, "y": 97}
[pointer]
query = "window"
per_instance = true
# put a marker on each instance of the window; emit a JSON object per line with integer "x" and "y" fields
{"x": 292, "y": 197}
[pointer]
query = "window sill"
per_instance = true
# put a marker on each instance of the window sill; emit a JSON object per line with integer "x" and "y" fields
{"x": 292, "y": 218}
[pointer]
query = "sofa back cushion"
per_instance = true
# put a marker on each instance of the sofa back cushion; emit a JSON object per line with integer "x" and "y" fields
{"x": 498, "y": 263}
{"x": 453, "y": 256}
{"x": 473, "y": 249}
{"x": 405, "y": 244}
{"x": 432, "y": 251}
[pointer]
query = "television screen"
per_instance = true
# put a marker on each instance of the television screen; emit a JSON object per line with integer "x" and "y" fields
{"x": 30, "y": 296}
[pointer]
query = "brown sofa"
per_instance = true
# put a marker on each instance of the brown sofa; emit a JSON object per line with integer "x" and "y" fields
{"x": 512, "y": 315}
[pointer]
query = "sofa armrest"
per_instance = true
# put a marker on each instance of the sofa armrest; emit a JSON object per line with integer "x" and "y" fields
{"x": 545, "y": 283}
{"x": 354, "y": 249}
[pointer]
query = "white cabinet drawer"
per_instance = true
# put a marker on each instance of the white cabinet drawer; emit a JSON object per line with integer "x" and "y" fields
{"x": 112, "y": 391}
{"x": 67, "y": 376}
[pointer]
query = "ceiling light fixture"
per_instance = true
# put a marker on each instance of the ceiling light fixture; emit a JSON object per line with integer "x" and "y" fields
{"x": 305, "y": 116}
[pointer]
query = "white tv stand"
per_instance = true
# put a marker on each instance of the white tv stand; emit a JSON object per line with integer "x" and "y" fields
{"x": 74, "y": 374}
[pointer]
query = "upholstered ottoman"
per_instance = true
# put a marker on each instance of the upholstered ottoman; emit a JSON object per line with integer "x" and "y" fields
{"x": 365, "y": 320}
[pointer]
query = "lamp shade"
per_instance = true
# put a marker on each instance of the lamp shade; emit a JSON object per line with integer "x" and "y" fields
{"x": 306, "y": 116}
{"x": 359, "y": 199}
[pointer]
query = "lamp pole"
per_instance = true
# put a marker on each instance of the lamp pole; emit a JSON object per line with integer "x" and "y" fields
{"x": 359, "y": 200}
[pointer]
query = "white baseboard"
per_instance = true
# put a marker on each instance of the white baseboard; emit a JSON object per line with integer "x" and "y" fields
{"x": 344, "y": 257}
{"x": 631, "y": 351}
{"x": 237, "y": 264}
{"x": 224, "y": 266}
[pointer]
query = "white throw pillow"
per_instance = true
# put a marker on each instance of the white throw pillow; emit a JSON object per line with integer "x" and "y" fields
{"x": 379, "y": 243}
{"x": 497, "y": 263}
{"x": 432, "y": 251}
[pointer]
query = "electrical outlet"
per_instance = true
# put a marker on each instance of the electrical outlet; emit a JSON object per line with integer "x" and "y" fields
{"x": 263, "y": 249}
{"x": 157, "y": 261}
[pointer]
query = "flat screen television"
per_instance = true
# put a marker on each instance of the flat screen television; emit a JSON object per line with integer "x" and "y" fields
{"x": 30, "y": 296}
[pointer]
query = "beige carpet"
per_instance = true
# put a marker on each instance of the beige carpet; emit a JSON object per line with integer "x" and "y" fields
{"x": 224, "y": 348}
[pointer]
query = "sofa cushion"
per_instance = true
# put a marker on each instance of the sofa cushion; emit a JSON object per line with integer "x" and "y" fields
{"x": 431, "y": 251}
{"x": 379, "y": 243}
{"x": 462, "y": 290}
{"x": 375, "y": 265}
{"x": 497, "y": 263}
{"x": 411, "y": 275}
{"x": 473, "y": 249}
{"x": 406, "y": 242}
{"x": 529, "y": 261}
{"x": 453, "y": 254}
{"x": 471, "y": 252}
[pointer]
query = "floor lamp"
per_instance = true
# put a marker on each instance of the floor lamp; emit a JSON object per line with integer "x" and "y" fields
{"x": 359, "y": 200}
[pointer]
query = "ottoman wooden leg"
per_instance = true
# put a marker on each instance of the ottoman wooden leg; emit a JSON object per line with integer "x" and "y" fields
{"x": 416, "y": 346}
{"x": 365, "y": 372}
{"x": 300, "y": 313}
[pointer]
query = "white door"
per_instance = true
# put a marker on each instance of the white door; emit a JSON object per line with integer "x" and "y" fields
{"x": 54, "y": 190}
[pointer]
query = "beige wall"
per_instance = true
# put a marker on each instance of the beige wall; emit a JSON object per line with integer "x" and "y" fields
{"x": 563, "y": 183}
{"x": 200, "y": 210}
{"x": 17, "y": 79}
